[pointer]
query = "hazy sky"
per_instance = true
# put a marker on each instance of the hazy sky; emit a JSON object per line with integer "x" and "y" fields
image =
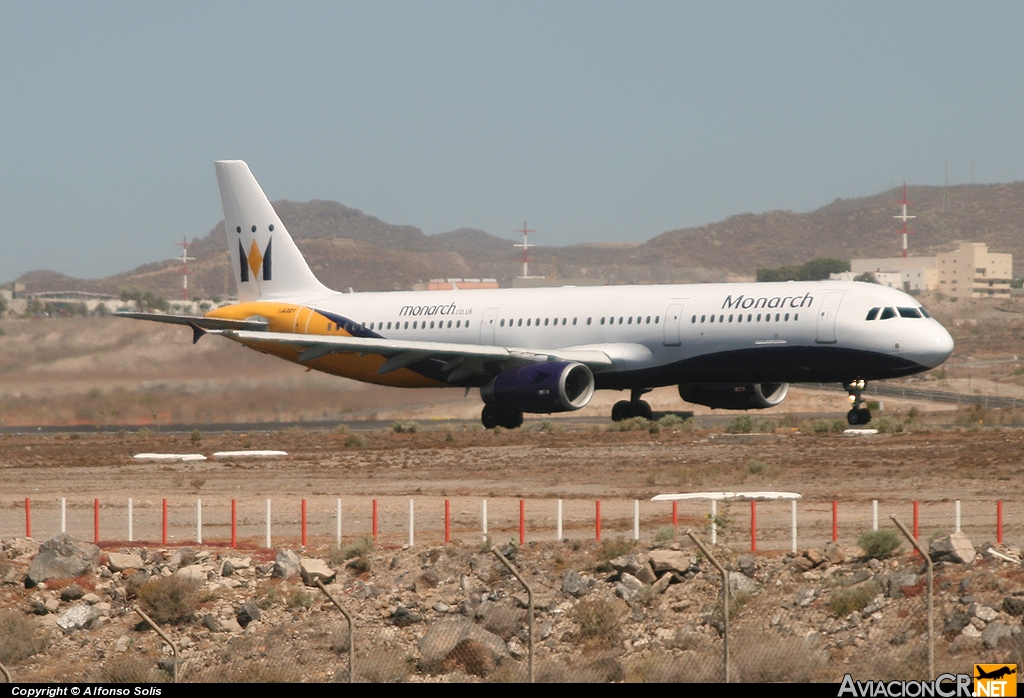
{"x": 593, "y": 121}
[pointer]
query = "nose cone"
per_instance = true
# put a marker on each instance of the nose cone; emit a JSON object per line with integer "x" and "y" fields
{"x": 938, "y": 348}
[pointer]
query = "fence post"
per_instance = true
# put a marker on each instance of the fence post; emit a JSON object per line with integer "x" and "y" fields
{"x": 957, "y": 509}
{"x": 483, "y": 517}
{"x": 130, "y": 532}
{"x": 268, "y": 523}
{"x": 558, "y": 527}
{"x": 351, "y": 625}
{"x": 675, "y": 516}
{"x": 529, "y": 603}
{"x": 725, "y": 600}
{"x": 931, "y": 592}
{"x": 874, "y": 514}
{"x": 28, "y": 517}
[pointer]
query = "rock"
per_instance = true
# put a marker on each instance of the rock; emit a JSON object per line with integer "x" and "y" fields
{"x": 247, "y": 613}
{"x": 441, "y": 607}
{"x": 286, "y": 565}
{"x": 805, "y": 595}
{"x": 956, "y": 547}
{"x": 835, "y": 554}
{"x": 91, "y": 599}
{"x": 213, "y": 623}
{"x": 72, "y": 592}
{"x": 313, "y": 568}
{"x": 425, "y": 580}
{"x": 982, "y": 612}
{"x": 630, "y": 582}
{"x": 227, "y": 568}
{"x": 672, "y": 560}
{"x": 646, "y": 575}
{"x": 741, "y": 582}
{"x": 38, "y": 608}
{"x": 970, "y": 631}
{"x": 1014, "y": 605}
{"x": 814, "y": 556}
{"x": 62, "y": 557}
{"x": 230, "y": 625}
{"x": 956, "y": 622}
{"x": 801, "y": 564}
{"x": 572, "y": 583}
{"x": 403, "y": 617}
{"x": 119, "y": 562}
{"x": 747, "y": 565}
{"x": 196, "y": 573}
{"x": 630, "y": 562}
{"x": 895, "y": 582}
{"x": 994, "y": 632}
{"x": 78, "y": 617}
{"x": 444, "y": 635}
{"x": 662, "y": 584}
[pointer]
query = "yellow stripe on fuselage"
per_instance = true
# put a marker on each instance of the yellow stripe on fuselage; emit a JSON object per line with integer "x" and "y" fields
{"x": 298, "y": 319}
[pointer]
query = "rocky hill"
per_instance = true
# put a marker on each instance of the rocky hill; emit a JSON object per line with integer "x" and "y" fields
{"x": 346, "y": 247}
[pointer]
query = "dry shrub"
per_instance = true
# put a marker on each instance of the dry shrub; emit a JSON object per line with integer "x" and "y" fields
{"x": 171, "y": 599}
{"x": 133, "y": 668}
{"x": 600, "y": 622}
{"x": 769, "y": 658}
{"x": 247, "y": 671}
{"x": 843, "y": 602}
{"x": 581, "y": 670}
{"x": 20, "y": 637}
{"x": 503, "y": 621}
{"x": 703, "y": 666}
{"x": 879, "y": 544}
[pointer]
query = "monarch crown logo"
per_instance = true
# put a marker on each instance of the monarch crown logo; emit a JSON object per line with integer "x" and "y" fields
{"x": 255, "y": 260}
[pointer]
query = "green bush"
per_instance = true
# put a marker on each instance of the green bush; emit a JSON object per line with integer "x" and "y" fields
{"x": 843, "y": 602}
{"x": 354, "y": 441}
{"x": 634, "y": 424}
{"x": 600, "y": 622}
{"x": 888, "y": 425}
{"x": 402, "y": 426}
{"x": 756, "y": 467}
{"x": 741, "y": 425}
{"x": 879, "y": 544}
{"x": 19, "y": 637}
{"x": 828, "y": 426}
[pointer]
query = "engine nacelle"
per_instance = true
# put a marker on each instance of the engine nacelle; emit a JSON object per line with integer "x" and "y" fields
{"x": 734, "y": 396}
{"x": 554, "y": 386}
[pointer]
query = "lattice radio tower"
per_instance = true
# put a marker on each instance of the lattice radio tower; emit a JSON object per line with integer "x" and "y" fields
{"x": 904, "y": 231}
{"x": 185, "y": 259}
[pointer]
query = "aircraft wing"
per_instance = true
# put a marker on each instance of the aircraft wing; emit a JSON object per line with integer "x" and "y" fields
{"x": 401, "y": 353}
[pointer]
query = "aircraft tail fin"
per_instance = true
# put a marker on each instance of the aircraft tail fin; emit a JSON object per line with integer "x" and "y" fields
{"x": 265, "y": 260}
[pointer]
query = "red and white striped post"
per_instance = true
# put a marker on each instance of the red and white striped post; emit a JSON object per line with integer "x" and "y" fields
{"x": 753, "y": 526}
{"x": 96, "y": 520}
{"x": 28, "y": 517}
{"x": 597, "y": 521}
{"x": 675, "y": 514}
{"x": 234, "y": 523}
{"x": 163, "y": 537}
{"x": 447, "y": 521}
{"x": 303, "y": 523}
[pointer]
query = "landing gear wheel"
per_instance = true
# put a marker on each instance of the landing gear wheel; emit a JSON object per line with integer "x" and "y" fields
{"x": 643, "y": 409}
{"x": 510, "y": 419}
{"x": 489, "y": 417}
{"x": 622, "y": 410}
{"x": 857, "y": 415}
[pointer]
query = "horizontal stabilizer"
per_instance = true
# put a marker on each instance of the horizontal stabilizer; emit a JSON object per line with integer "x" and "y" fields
{"x": 201, "y": 322}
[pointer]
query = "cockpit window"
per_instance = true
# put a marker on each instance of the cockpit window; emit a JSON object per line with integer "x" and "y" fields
{"x": 909, "y": 312}
{"x": 888, "y": 313}
{"x": 873, "y": 313}
{"x": 924, "y": 312}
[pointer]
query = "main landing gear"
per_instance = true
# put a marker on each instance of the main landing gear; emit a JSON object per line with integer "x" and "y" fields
{"x": 857, "y": 414}
{"x": 634, "y": 407}
{"x": 494, "y": 416}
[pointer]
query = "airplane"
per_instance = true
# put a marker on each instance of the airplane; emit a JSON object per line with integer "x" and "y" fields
{"x": 735, "y": 346}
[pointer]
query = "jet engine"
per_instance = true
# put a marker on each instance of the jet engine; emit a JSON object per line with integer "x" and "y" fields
{"x": 541, "y": 388}
{"x": 734, "y": 396}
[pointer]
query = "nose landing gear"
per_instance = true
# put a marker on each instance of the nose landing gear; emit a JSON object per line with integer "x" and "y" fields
{"x": 857, "y": 415}
{"x": 634, "y": 407}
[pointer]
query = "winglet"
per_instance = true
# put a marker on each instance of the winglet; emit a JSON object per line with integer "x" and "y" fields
{"x": 197, "y": 332}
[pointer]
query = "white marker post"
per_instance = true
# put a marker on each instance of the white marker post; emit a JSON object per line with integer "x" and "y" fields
{"x": 268, "y": 523}
{"x": 483, "y": 517}
{"x": 714, "y": 522}
{"x": 130, "y": 538}
{"x": 338, "y": 519}
{"x": 558, "y": 533}
{"x": 874, "y": 514}
{"x": 412, "y": 524}
{"x": 63, "y": 515}
{"x": 958, "y": 516}
{"x": 636, "y": 519}
{"x": 199, "y": 520}
{"x": 792, "y": 516}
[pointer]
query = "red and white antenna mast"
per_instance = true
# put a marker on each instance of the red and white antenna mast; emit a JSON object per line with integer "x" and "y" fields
{"x": 526, "y": 246}
{"x": 904, "y": 231}
{"x": 185, "y": 259}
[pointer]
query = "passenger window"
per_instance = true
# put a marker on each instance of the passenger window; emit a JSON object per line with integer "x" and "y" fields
{"x": 574, "y": 324}
{"x": 712, "y": 318}
{"x": 389, "y": 327}
{"x": 588, "y": 322}
{"x": 602, "y": 320}
{"x": 467, "y": 323}
{"x": 888, "y": 313}
{"x": 502, "y": 324}
{"x": 414, "y": 324}
{"x": 721, "y": 318}
{"x": 656, "y": 317}
{"x": 909, "y": 312}
{"x": 620, "y": 319}
{"x": 749, "y": 316}
{"x": 528, "y": 321}
{"x": 450, "y": 324}
{"x": 739, "y": 318}
{"x": 872, "y": 314}
{"x": 545, "y": 322}
{"x": 630, "y": 320}
{"x": 730, "y": 317}
{"x": 519, "y": 322}
{"x": 796, "y": 316}
{"x": 776, "y": 317}
{"x": 786, "y": 318}
{"x": 564, "y": 320}
{"x": 458, "y": 323}
{"x": 649, "y": 319}
{"x": 694, "y": 320}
